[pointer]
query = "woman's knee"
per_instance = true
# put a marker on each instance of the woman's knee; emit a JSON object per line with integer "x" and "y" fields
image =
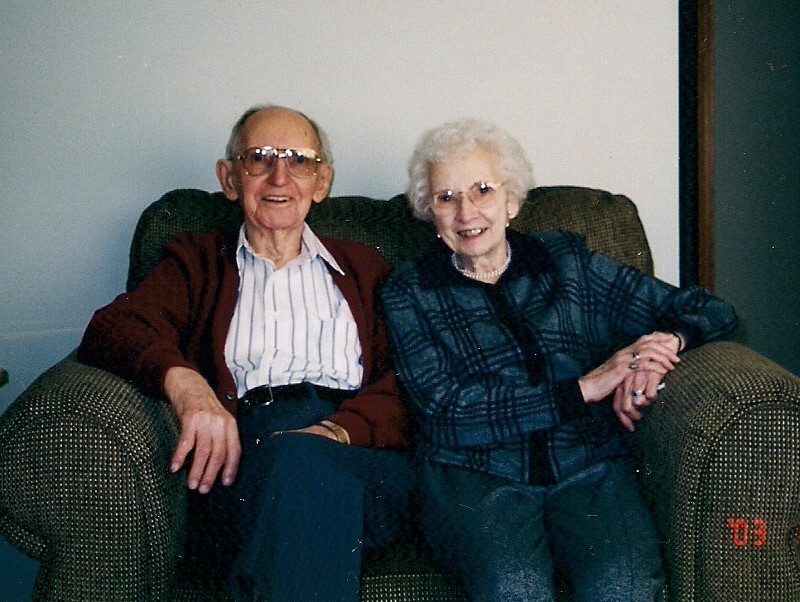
{"x": 493, "y": 563}
{"x": 632, "y": 578}
{"x": 520, "y": 582}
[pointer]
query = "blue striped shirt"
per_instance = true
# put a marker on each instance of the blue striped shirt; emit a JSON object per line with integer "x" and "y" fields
{"x": 292, "y": 324}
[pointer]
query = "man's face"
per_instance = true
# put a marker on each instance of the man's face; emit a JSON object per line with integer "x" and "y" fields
{"x": 278, "y": 200}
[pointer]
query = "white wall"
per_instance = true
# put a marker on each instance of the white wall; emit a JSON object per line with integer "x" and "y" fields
{"x": 104, "y": 106}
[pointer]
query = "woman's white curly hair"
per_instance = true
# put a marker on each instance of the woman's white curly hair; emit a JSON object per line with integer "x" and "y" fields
{"x": 455, "y": 139}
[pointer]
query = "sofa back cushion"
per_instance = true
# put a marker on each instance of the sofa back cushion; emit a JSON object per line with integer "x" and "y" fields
{"x": 609, "y": 222}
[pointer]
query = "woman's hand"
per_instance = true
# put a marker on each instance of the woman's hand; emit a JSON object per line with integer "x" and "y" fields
{"x": 638, "y": 390}
{"x": 207, "y": 429}
{"x": 639, "y": 367}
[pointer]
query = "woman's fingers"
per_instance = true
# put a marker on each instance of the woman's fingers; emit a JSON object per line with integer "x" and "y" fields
{"x": 637, "y": 391}
{"x": 625, "y": 410}
{"x": 650, "y": 354}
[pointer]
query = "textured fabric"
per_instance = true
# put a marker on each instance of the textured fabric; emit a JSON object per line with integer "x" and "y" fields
{"x": 80, "y": 488}
{"x": 721, "y": 443}
{"x": 718, "y": 458}
{"x": 609, "y": 222}
{"x": 483, "y": 391}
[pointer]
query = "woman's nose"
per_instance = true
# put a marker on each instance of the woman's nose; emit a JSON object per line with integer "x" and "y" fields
{"x": 465, "y": 207}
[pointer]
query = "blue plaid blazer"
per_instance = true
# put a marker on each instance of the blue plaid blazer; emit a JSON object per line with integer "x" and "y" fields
{"x": 492, "y": 370}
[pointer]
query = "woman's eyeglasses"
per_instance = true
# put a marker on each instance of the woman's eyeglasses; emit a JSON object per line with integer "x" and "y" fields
{"x": 481, "y": 194}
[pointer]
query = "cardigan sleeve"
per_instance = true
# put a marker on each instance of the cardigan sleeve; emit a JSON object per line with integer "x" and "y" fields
{"x": 635, "y": 304}
{"x": 138, "y": 335}
{"x": 376, "y": 416}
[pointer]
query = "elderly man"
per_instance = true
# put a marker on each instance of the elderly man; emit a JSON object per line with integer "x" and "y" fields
{"x": 270, "y": 347}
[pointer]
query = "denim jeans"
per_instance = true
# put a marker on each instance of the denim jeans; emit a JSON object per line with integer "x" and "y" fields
{"x": 506, "y": 540}
{"x": 306, "y": 507}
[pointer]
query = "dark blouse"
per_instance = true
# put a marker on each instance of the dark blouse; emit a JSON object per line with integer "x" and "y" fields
{"x": 492, "y": 370}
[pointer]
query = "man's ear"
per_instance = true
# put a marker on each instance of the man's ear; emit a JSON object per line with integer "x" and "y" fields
{"x": 324, "y": 182}
{"x": 226, "y": 179}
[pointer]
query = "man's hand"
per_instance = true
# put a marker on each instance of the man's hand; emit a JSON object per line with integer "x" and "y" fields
{"x": 207, "y": 429}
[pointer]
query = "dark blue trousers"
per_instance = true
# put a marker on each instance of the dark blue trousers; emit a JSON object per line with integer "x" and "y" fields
{"x": 506, "y": 540}
{"x": 307, "y": 507}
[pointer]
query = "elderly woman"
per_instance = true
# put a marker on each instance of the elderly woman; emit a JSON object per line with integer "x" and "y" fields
{"x": 504, "y": 343}
{"x": 269, "y": 344}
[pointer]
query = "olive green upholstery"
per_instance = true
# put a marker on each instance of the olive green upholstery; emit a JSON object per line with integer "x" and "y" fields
{"x": 84, "y": 485}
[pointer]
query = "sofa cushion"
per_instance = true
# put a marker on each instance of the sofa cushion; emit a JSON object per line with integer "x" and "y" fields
{"x": 609, "y": 222}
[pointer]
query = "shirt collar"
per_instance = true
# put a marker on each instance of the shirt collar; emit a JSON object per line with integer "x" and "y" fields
{"x": 311, "y": 247}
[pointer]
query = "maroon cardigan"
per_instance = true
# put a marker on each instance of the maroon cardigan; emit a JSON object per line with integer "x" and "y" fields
{"x": 180, "y": 314}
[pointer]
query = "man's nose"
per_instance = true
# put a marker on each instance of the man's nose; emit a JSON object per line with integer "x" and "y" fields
{"x": 280, "y": 172}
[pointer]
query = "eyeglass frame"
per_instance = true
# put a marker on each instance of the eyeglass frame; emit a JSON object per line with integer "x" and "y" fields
{"x": 495, "y": 186}
{"x": 282, "y": 153}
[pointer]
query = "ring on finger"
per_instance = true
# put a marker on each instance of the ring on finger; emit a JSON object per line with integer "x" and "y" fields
{"x": 636, "y": 356}
{"x": 633, "y": 366}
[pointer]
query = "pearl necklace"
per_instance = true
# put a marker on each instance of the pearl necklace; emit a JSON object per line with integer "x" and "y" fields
{"x": 489, "y": 276}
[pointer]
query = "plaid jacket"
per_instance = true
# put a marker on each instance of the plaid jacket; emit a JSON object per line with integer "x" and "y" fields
{"x": 492, "y": 370}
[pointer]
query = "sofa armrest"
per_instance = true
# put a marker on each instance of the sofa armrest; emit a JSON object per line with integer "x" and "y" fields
{"x": 85, "y": 486}
{"x": 718, "y": 457}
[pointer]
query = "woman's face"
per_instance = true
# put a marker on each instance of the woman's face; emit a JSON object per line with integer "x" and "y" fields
{"x": 278, "y": 200}
{"x": 476, "y": 233}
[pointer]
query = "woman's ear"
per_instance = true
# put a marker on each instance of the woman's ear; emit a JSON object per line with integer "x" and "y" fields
{"x": 225, "y": 176}
{"x": 512, "y": 206}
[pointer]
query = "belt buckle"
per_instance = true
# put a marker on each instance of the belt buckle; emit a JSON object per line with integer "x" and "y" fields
{"x": 251, "y": 404}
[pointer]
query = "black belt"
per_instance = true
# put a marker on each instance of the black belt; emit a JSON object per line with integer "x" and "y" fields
{"x": 266, "y": 395}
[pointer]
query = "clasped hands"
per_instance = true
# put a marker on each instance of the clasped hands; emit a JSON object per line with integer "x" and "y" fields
{"x": 634, "y": 374}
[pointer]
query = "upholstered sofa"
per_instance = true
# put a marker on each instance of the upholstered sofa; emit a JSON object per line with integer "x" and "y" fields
{"x": 84, "y": 485}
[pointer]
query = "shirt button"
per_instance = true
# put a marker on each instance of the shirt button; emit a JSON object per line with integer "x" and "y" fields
{"x": 230, "y": 396}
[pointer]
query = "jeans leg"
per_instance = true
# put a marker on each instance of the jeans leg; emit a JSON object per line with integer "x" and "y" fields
{"x": 490, "y": 532}
{"x": 304, "y": 523}
{"x": 605, "y": 537}
{"x": 390, "y": 495}
{"x": 308, "y": 507}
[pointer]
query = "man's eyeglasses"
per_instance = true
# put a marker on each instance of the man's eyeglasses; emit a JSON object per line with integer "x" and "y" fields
{"x": 302, "y": 162}
{"x": 482, "y": 194}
